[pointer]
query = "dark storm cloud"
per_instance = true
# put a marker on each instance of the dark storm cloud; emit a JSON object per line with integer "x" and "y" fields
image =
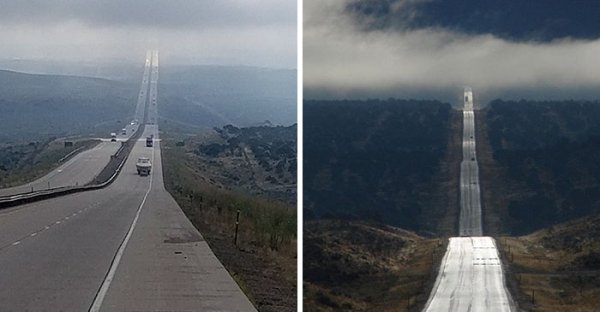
{"x": 343, "y": 59}
{"x": 150, "y": 13}
{"x": 531, "y": 20}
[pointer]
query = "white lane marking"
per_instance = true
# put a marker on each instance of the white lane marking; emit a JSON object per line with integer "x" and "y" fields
{"x": 47, "y": 227}
{"x": 97, "y": 304}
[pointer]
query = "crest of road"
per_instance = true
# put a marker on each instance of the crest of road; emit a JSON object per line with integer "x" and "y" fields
{"x": 125, "y": 247}
{"x": 470, "y": 277}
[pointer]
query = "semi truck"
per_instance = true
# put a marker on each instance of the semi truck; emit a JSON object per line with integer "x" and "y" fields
{"x": 143, "y": 166}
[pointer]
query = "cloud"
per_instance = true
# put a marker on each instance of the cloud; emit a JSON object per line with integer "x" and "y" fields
{"x": 248, "y": 32}
{"x": 342, "y": 59}
{"x": 150, "y": 13}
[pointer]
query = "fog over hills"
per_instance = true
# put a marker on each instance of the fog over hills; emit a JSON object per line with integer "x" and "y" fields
{"x": 33, "y": 107}
{"x": 210, "y": 96}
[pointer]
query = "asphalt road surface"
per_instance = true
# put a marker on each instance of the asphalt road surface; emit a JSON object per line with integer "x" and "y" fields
{"x": 83, "y": 167}
{"x": 79, "y": 170}
{"x": 470, "y": 278}
{"x": 470, "y": 198}
{"x": 125, "y": 247}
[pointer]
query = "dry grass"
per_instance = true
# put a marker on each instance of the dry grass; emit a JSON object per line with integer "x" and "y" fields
{"x": 264, "y": 260}
{"x": 355, "y": 266}
{"x": 547, "y": 267}
{"x": 41, "y": 161}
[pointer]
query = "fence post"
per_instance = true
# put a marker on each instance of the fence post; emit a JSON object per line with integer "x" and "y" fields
{"x": 237, "y": 224}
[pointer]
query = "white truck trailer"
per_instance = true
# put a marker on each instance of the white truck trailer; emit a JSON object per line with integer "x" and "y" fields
{"x": 143, "y": 166}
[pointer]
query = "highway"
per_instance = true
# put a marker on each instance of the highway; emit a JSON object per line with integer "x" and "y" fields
{"x": 79, "y": 170}
{"x": 470, "y": 277}
{"x": 125, "y": 247}
{"x": 83, "y": 167}
{"x": 470, "y": 198}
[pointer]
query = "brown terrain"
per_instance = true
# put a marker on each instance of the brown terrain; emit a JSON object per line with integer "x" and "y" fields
{"x": 357, "y": 266}
{"x": 558, "y": 268}
{"x": 263, "y": 262}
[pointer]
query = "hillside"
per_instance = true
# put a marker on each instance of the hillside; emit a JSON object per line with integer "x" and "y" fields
{"x": 385, "y": 161}
{"x": 254, "y": 160}
{"x": 218, "y": 175}
{"x": 541, "y": 161}
{"x": 361, "y": 266}
{"x": 35, "y": 107}
{"x": 214, "y": 96}
{"x": 560, "y": 263}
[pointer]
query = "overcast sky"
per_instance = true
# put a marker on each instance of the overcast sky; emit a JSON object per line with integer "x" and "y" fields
{"x": 344, "y": 60}
{"x": 230, "y": 32}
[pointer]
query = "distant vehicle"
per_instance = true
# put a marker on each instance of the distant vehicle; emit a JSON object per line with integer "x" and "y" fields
{"x": 113, "y": 137}
{"x": 143, "y": 166}
{"x": 473, "y": 158}
{"x": 124, "y": 131}
{"x": 149, "y": 141}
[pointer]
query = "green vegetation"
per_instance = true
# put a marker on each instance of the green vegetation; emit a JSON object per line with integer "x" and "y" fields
{"x": 358, "y": 266}
{"x": 22, "y": 163}
{"x": 36, "y": 107}
{"x": 379, "y": 160}
{"x": 560, "y": 264}
{"x": 545, "y": 162}
{"x": 273, "y": 222}
{"x": 264, "y": 259}
{"x": 219, "y": 95}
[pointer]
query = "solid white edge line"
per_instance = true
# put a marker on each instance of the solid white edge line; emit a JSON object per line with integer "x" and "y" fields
{"x": 97, "y": 304}
{"x": 117, "y": 259}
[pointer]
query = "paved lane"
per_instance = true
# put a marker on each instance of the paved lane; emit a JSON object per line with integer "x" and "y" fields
{"x": 170, "y": 264}
{"x": 470, "y": 198}
{"x": 55, "y": 254}
{"x": 79, "y": 170}
{"x": 83, "y": 167}
{"x": 470, "y": 278}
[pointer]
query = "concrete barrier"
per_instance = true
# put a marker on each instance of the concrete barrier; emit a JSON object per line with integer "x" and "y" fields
{"x": 103, "y": 179}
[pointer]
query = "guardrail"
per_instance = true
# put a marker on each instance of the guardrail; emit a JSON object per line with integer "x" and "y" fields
{"x": 108, "y": 174}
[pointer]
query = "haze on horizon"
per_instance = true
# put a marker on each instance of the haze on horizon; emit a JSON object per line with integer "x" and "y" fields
{"x": 407, "y": 49}
{"x": 259, "y": 33}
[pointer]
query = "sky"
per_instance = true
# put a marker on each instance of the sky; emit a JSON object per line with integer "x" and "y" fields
{"x": 391, "y": 49}
{"x": 224, "y": 32}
